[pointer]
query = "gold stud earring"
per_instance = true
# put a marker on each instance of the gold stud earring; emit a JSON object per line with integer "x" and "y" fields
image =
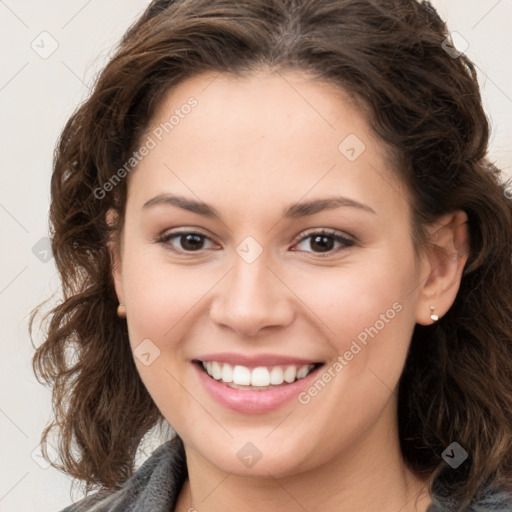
{"x": 121, "y": 311}
{"x": 433, "y": 317}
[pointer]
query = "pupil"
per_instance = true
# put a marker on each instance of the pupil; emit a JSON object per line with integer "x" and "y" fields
{"x": 191, "y": 241}
{"x": 324, "y": 242}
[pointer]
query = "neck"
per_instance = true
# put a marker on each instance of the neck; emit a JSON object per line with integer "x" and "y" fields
{"x": 369, "y": 475}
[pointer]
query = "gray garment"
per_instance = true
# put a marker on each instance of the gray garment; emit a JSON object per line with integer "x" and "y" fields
{"x": 155, "y": 487}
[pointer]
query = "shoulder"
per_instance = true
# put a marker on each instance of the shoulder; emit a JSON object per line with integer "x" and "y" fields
{"x": 153, "y": 487}
{"x": 492, "y": 499}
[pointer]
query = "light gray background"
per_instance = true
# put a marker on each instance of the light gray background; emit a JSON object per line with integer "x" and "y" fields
{"x": 36, "y": 96}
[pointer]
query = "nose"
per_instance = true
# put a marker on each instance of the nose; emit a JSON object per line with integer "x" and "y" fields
{"x": 250, "y": 298}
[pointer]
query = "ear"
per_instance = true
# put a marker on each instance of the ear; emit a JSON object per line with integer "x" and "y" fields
{"x": 115, "y": 250}
{"x": 443, "y": 261}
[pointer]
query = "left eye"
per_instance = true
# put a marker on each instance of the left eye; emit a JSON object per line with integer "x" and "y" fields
{"x": 325, "y": 240}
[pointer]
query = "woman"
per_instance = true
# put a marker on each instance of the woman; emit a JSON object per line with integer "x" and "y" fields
{"x": 278, "y": 232}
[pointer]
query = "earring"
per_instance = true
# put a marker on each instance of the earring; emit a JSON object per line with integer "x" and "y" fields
{"x": 121, "y": 311}
{"x": 433, "y": 317}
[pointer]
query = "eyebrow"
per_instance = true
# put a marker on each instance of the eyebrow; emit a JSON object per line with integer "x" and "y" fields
{"x": 296, "y": 210}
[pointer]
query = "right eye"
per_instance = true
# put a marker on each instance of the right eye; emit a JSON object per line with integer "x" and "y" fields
{"x": 189, "y": 241}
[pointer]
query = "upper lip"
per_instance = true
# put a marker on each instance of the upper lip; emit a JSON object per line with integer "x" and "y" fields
{"x": 255, "y": 360}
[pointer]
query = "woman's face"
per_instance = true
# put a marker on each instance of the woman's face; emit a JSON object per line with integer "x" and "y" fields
{"x": 256, "y": 168}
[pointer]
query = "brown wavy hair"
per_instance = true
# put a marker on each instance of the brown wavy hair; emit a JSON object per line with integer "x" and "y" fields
{"x": 425, "y": 105}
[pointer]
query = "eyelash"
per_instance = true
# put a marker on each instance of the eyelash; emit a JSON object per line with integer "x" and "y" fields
{"x": 165, "y": 239}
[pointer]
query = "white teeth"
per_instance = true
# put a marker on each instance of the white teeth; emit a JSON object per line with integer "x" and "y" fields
{"x": 260, "y": 376}
{"x": 241, "y": 375}
{"x": 276, "y": 375}
{"x": 227, "y": 373}
{"x": 290, "y": 373}
{"x": 302, "y": 372}
{"x": 216, "y": 370}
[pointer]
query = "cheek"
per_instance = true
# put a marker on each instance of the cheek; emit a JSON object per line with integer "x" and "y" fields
{"x": 369, "y": 312}
{"x": 161, "y": 299}
{"x": 160, "y": 295}
{"x": 358, "y": 296}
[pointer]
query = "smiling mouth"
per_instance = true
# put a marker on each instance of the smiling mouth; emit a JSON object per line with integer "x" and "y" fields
{"x": 261, "y": 378}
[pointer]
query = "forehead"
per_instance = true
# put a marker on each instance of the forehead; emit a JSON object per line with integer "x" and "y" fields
{"x": 282, "y": 106}
{"x": 267, "y": 132}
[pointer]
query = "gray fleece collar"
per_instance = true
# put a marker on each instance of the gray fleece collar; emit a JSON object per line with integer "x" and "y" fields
{"x": 155, "y": 487}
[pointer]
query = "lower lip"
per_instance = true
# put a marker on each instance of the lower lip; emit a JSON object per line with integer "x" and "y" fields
{"x": 253, "y": 402}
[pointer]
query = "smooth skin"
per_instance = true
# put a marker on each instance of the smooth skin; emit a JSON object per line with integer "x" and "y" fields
{"x": 251, "y": 147}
